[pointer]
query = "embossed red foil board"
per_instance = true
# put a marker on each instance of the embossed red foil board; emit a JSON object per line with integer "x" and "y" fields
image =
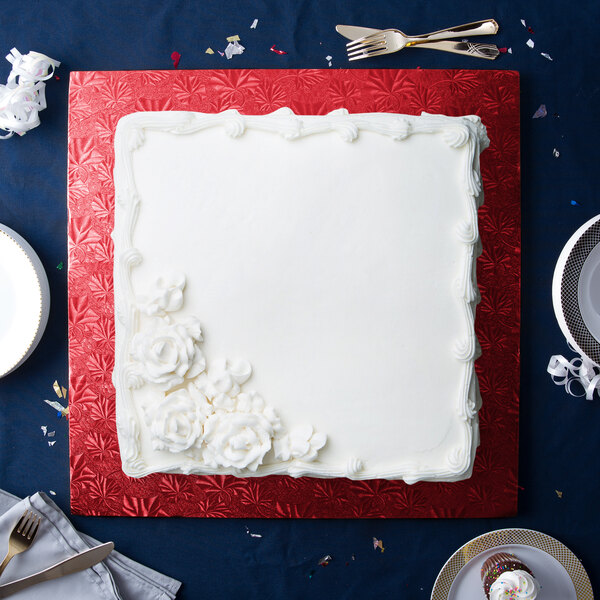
{"x": 97, "y": 100}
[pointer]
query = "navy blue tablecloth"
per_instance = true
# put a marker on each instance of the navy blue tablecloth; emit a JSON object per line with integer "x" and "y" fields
{"x": 559, "y": 439}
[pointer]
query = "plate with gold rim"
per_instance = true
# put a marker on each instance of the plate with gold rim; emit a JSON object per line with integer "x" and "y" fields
{"x": 558, "y": 571}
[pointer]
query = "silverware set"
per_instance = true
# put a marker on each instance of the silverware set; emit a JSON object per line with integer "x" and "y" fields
{"x": 22, "y": 537}
{"x": 366, "y": 42}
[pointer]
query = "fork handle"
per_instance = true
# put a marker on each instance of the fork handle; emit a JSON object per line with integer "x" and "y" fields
{"x": 486, "y": 27}
{"x": 488, "y": 51}
{"x": 5, "y": 562}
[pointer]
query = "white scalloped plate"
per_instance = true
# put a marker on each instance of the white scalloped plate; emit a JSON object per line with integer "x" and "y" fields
{"x": 559, "y": 572}
{"x": 24, "y": 300}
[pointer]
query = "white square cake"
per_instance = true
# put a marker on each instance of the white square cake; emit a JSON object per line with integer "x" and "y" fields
{"x": 296, "y": 294}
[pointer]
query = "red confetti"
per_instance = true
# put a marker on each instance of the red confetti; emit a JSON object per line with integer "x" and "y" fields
{"x": 530, "y": 30}
{"x": 57, "y": 78}
{"x": 503, "y": 50}
{"x": 273, "y": 49}
{"x": 175, "y": 56}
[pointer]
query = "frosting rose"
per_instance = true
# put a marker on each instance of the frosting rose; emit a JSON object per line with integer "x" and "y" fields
{"x": 224, "y": 377}
{"x": 301, "y": 442}
{"x": 168, "y": 296}
{"x": 516, "y": 585}
{"x": 168, "y": 353}
{"x": 236, "y": 439}
{"x": 177, "y": 422}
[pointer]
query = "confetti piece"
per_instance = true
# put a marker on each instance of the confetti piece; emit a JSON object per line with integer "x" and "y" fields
{"x": 57, "y": 389}
{"x": 312, "y": 572}
{"x": 325, "y": 560}
{"x": 254, "y": 535}
{"x": 530, "y": 43}
{"x": 378, "y": 544}
{"x": 64, "y": 391}
{"x": 233, "y": 48}
{"x": 61, "y": 410}
{"x": 254, "y": 24}
{"x": 233, "y": 38}
{"x": 540, "y": 113}
{"x": 273, "y": 49}
{"x": 575, "y": 203}
{"x": 60, "y": 265}
{"x": 44, "y": 428}
{"x": 546, "y": 55}
{"x": 209, "y": 51}
{"x": 503, "y": 50}
{"x": 510, "y": 50}
{"x": 51, "y": 443}
{"x": 555, "y": 153}
{"x": 221, "y": 53}
{"x": 52, "y": 492}
{"x": 328, "y": 59}
{"x": 530, "y": 30}
{"x": 51, "y": 433}
{"x": 523, "y": 23}
{"x": 175, "y": 57}
{"x": 559, "y": 493}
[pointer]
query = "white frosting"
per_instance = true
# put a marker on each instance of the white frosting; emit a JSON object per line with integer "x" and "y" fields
{"x": 166, "y": 354}
{"x": 177, "y": 422}
{"x": 514, "y": 585}
{"x": 336, "y": 255}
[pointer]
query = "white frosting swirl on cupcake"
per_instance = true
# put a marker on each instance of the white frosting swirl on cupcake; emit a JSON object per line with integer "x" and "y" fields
{"x": 514, "y": 585}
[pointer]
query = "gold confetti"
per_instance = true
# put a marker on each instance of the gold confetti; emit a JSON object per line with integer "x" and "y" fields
{"x": 57, "y": 389}
{"x": 233, "y": 38}
{"x": 378, "y": 544}
{"x": 558, "y": 493}
{"x": 64, "y": 392}
{"x": 209, "y": 51}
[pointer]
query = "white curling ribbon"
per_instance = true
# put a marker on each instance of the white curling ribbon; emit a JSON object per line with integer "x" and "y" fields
{"x": 23, "y": 96}
{"x": 580, "y": 370}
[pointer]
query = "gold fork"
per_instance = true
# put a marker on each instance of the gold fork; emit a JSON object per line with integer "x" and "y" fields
{"x": 22, "y": 536}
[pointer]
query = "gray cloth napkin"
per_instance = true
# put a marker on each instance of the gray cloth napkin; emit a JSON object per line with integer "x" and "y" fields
{"x": 116, "y": 578}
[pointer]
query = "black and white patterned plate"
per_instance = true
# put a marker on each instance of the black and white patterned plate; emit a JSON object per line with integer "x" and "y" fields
{"x": 576, "y": 290}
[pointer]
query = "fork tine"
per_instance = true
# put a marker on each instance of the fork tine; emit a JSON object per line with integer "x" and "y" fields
{"x": 34, "y": 529}
{"x": 31, "y": 519}
{"x": 22, "y": 521}
{"x": 376, "y": 37}
{"x": 370, "y": 54}
{"x": 368, "y": 49}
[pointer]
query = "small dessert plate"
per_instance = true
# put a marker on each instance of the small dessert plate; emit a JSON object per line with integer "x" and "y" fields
{"x": 24, "y": 300}
{"x": 558, "y": 571}
{"x": 576, "y": 290}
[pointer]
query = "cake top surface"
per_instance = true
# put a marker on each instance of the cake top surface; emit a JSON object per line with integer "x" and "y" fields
{"x": 290, "y": 319}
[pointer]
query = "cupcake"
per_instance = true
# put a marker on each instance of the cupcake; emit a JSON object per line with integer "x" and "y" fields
{"x": 505, "y": 577}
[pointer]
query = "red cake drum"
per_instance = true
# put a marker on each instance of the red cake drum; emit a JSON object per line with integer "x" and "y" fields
{"x": 207, "y": 418}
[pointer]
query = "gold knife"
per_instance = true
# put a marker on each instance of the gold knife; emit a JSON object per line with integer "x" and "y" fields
{"x": 73, "y": 564}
